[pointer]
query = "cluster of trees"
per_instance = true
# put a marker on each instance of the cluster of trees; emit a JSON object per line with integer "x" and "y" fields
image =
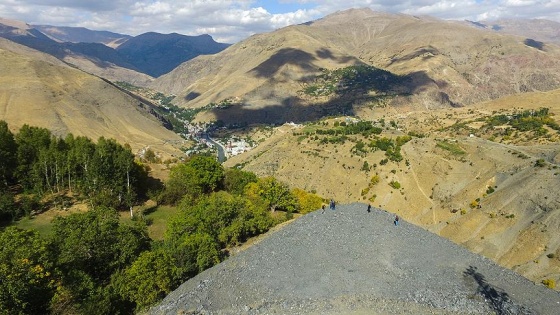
{"x": 34, "y": 163}
{"x": 93, "y": 263}
{"x": 359, "y": 78}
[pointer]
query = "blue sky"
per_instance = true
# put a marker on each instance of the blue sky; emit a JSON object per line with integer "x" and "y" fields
{"x": 232, "y": 20}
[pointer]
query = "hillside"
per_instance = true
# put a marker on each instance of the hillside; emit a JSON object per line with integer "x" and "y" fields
{"x": 349, "y": 261}
{"x": 442, "y": 178}
{"x": 536, "y": 29}
{"x": 39, "y": 90}
{"x": 414, "y": 62}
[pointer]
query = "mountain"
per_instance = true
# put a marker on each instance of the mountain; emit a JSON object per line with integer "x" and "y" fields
{"x": 94, "y": 58}
{"x": 109, "y": 55}
{"x": 534, "y": 29}
{"x": 349, "y": 261}
{"x": 419, "y": 62}
{"x": 156, "y": 54}
{"x": 40, "y": 90}
{"x": 82, "y": 35}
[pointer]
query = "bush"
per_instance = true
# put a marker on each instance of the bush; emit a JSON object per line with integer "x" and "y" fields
{"x": 549, "y": 283}
{"x": 540, "y": 163}
{"x": 395, "y": 184}
{"x": 551, "y": 255}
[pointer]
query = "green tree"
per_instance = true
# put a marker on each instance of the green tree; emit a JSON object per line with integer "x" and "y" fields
{"x": 91, "y": 247}
{"x": 149, "y": 279}
{"x": 276, "y": 195}
{"x": 8, "y": 209}
{"x": 198, "y": 175}
{"x": 235, "y": 180}
{"x": 30, "y": 141}
{"x": 8, "y": 155}
{"x": 27, "y": 275}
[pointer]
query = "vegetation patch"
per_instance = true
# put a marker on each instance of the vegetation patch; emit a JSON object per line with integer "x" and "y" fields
{"x": 354, "y": 79}
{"x": 452, "y": 147}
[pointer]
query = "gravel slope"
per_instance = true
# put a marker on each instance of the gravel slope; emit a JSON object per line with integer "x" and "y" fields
{"x": 349, "y": 261}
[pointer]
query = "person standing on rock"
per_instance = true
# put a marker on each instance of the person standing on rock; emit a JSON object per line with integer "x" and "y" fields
{"x": 368, "y": 208}
{"x": 396, "y": 220}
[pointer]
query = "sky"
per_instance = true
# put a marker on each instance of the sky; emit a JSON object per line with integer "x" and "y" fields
{"x": 229, "y": 21}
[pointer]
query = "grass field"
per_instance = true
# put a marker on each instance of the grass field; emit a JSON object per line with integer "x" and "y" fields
{"x": 157, "y": 218}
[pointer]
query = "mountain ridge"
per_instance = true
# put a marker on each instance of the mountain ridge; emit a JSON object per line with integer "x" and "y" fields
{"x": 446, "y": 63}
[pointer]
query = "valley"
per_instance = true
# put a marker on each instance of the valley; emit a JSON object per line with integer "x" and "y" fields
{"x": 452, "y": 126}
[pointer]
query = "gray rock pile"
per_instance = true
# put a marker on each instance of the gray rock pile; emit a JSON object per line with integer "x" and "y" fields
{"x": 349, "y": 261}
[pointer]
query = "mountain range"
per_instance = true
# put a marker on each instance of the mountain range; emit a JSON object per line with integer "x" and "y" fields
{"x": 114, "y": 56}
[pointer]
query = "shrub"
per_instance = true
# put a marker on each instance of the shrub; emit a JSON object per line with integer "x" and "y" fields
{"x": 463, "y": 211}
{"x": 551, "y": 255}
{"x": 374, "y": 180}
{"x": 540, "y": 163}
{"x": 549, "y": 283}
{"x": 395, "y": 184}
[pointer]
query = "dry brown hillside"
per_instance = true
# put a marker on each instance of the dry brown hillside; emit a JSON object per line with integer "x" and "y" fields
{"x": 39, "y": 90}
{"x": 444, "y": 177}
{"x": 439, "y": 64}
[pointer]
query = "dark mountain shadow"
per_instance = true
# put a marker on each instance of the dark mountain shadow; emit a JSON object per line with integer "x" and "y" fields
{"x": 297, "y": 57}
{"x": 298, "y": 110}
{"x": 325, "y": 53}
{"x": 534, "y": 43}
{"x": 425, "y": 52}
{"x": 191, "y": 96}
{"x": 284, "y": 56}
{"x": 498, "y": 300}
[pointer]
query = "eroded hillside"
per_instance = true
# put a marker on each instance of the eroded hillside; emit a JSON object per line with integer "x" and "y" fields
{"x": 489, "y": 186}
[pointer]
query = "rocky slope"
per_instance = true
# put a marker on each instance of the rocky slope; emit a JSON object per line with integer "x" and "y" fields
{"x": 349, "y": 261}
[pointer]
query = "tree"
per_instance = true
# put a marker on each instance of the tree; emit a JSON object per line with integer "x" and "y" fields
{"x": 276, "y": 195}
{"x": 199, "y": 175}
{"x": 96, "y": 243}
{"x": 307, "y": 202}
{"x": 27, "y": 275}
{"x": 8, "y": 209}
{"x": 8, "y": 155}
{"x": 235, "y": 180}
{"x": 90, "y": 248}
{"x": 30, "y": 141}
{"x": 149, "y": 279}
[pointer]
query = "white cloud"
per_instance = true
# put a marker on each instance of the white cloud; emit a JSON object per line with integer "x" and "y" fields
{"x": 233, "y": 20}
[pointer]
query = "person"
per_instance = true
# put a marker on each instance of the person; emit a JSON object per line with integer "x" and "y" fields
{"x": 323, "y": 209}
{"x": 332, "y": 204}
{"x": 397, "y": 220}
{"x": 368, "y": 208}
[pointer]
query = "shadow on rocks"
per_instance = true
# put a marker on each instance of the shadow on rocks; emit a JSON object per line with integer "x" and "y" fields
{"x": 498, "y": 300}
